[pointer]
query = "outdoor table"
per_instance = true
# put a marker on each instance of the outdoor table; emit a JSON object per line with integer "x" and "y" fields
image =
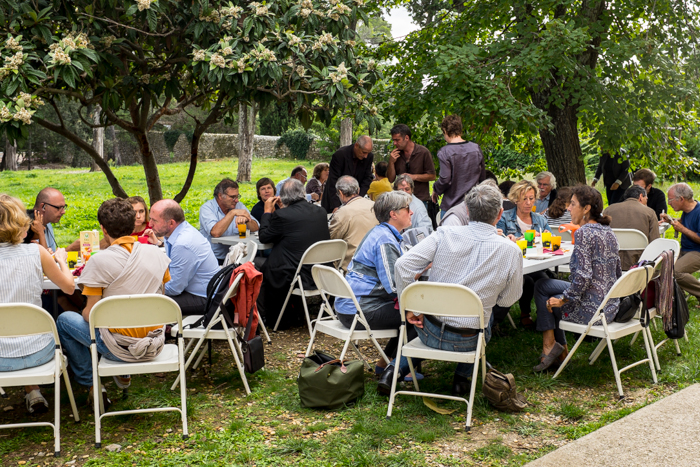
{"x": 251, "y": 237}
{"x": 532, "y": 265}
{"x": 48, "y": 285}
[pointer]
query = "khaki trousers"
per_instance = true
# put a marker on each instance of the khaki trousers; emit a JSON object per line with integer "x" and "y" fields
{"x": 687, "y": 264}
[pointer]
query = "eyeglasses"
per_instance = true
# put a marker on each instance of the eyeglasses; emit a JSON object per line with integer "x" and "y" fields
{"x": 234, "y": 198}
{"x": 675, "y": 199}
{"x": 59, "y": 208}
{"x": 542, "y": 185}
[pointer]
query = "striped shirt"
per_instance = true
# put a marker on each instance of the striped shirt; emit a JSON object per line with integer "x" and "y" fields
{"x": 556, "y": 222}
{"x": 21, "y": 279}
{"x": 473, "y": 255}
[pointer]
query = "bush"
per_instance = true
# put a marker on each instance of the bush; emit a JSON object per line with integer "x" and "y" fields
{"x": 298, "y": 142}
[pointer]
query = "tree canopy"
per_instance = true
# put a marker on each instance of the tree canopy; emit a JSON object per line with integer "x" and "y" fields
{"x": 623, "y": 71}
{"x": 141, "y": 60}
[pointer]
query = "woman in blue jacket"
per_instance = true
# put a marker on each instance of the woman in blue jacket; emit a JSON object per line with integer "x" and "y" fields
{"x": 513, "y": 223}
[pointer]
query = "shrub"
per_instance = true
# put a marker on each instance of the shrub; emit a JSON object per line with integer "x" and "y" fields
{"x": 298, "y": 142}
{"x": 171, "y": 137}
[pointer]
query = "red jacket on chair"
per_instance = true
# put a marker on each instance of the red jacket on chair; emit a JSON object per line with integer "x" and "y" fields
{"x": 247, "y": 296}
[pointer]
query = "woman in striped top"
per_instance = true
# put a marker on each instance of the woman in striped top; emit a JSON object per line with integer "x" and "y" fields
{"x": 21, "y": 276}
{"x": 557, "y": 213}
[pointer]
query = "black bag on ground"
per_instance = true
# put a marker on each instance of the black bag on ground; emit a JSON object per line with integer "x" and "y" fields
{"x": 326, "y": 382}
{"x": 679, "y": 314}
{"x": 253, "y": 350}
{"x": 216, "y": 290}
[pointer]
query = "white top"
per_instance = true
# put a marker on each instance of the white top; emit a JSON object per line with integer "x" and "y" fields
{"x": 21, "y": 277}
{"x": 523, "y": 225}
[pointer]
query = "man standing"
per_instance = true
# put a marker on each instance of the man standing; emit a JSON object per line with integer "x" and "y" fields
{"x": 292, "y": 229}
{"x": 546, "y": 184}
{"x": 461, "y": 165}
{"x": 193, "y": 263}
{"x": 656, "y": 199}
{"x": 353, "y": 219}
{"x": 489, "y": 264}
{"x": 633, "y": 213}
{"x": 354, "y": 160}
{"x": 412, "y": 159}
{"x": 680, "y": 197}
{"x": 219, "y": 217}
{"x": 299, "y": 173}
{"x": 616, "y": 177}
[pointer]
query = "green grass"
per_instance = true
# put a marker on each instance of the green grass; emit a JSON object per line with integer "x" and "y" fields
{"x": 270, "y": 428}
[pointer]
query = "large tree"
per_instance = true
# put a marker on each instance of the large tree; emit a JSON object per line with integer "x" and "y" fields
{"x": 624, "y": 71}
{"x": 140, "y": 60}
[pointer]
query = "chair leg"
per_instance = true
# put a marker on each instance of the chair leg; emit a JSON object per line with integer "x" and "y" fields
{"x": 392, "y": 393}
{"x": 262, "y": 326}
{"x": 678, "y": 349}
{"x": 616, "y": 371}
{"x": 650, "y": 357}
{"x": 571, "y": 354}
{"x": 286, "y": 300}
{"x": 653, "y": 349}
{"x": 634, "y": 338}
{"x": 311, "y": 343}
{"x": 306, "y": 307}
{"x": 202, "y": 353}
{"x": 235, "y": 351}
{"x": 192, "y": 356}
{"x": 98, "y": 405}
{"x": 71, "y": 398}
{"x": 412, "y": 369}
{"x": 57, "y": 403}
{"x": 475, "y": 375}
{"x": 362, "y": 357}
{"x": 183, "y": 388}
{"x": 379, "y": 348}
{"x": 512, "y": 323}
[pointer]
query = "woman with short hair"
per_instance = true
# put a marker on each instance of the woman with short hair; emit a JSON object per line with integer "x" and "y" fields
{"x": 318, "y": 180}
{"x": 22, "y": 267}
{"x": 265, "y": 189}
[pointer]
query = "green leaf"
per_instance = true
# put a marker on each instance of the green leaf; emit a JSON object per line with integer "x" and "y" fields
{"x": 132, "y": 9}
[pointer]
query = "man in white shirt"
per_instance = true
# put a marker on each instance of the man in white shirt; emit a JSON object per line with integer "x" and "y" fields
{"x": 489, "y": 264}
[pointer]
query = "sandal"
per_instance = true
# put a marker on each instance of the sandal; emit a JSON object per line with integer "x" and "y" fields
{"x": 36, "y": 403}
{"x": 550, "y": 358}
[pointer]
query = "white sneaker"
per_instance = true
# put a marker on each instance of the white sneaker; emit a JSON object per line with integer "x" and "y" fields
{"x": 36, "y": 403}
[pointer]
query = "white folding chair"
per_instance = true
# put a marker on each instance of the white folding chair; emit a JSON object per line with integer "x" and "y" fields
{"x": 24, "y": 319}
{"x": 630, "y": 239}
{"x": 632, "y": 281}
{"x": 127, "y": 311}
{"x": 566, "y": 236}
{"x": 327, "y": 251}
{"x": 438, "y": 217}
{"x": 204, "y": 335}
{"x": 654, "y": 249}
{"x": 330, "y": 281}
{"x": 438, "y": 299}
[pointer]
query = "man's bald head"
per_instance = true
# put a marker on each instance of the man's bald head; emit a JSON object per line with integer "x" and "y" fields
{"x": 47, "y": 195}
{"x": 51, "y": 203}
{"x": 362, "y": 147}
{"x": 165, "y": 216}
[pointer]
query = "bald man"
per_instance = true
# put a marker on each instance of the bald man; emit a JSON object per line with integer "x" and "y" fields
{"x": 192, "y": 261}
{"x": 354, "y": 160}
{"x": 49, "y": 207}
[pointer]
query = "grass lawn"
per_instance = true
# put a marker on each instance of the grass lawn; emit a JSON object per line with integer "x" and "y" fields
{"x": 269, "y": 427}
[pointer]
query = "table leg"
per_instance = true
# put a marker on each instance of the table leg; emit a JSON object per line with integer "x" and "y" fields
{"x": 54, "y": 303}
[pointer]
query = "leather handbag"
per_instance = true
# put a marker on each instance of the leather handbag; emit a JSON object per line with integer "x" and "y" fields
{"x": 499, "y": 389}
{"x": 253, "y": 350}
{"x": 326, "y": 382}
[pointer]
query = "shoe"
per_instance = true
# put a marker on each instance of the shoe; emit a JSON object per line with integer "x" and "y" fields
{"x": 461, "y": 386}
{"x": 527, "y": 323}
{"x": 550, "y": 358}
{"x": 36, "y": 403}
{"x": 385, "y": 380}
{"x": 105, "y": 400}
{"x": 122, "y": 382}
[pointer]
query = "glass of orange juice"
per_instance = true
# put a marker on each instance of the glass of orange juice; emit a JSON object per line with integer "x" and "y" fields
{"x": 241, "y": 230}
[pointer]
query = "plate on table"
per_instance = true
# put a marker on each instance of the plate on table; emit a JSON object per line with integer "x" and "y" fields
{"x": 538, "y": 257}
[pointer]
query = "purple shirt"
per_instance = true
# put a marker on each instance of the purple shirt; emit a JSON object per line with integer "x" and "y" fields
{"x": 461, "y": 167}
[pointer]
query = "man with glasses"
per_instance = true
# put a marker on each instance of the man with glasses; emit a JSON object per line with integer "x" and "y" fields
{"x": 48, "y": 209}
{"x": 546, "y": 184}
{"x": 299, "y": 172}
{"x": 680, "y": 197}
{"x": 219, "y": 217}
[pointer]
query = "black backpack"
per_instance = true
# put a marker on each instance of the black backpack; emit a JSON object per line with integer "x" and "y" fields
{"x": 216, "y": 290}
{"x": 675, "y": 327}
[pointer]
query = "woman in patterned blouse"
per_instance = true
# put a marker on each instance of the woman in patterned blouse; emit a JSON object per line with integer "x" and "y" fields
{"x": 595, "y": 266}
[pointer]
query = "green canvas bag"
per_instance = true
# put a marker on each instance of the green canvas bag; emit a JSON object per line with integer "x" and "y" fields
{"x": 326, "y": 382}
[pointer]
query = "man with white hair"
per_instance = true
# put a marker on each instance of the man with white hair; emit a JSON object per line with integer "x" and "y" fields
{"x": 354, "y": 218}
{"x": 680, "y": 197}
{"x": 546, "y": 184}
{"x": 292, "y": 229}
{"x": 420, "y": 218}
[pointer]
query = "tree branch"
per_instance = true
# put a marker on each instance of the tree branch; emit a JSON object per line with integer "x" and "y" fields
{"x": 153, "y": 34}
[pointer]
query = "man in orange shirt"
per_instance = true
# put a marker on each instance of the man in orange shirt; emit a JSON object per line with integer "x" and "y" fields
{"x": 125, "y": 268}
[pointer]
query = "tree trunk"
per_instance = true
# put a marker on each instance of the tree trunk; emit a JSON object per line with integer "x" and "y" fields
{"x": 10, "y": 155}
{"x": 98, "y": 139}
{"x": 29, "y": 150}
{"x": 346, "y": 132}
{"x": 150, "y": 168}
{"x": 246, "y": 133}
{"x": 115, "y": 145}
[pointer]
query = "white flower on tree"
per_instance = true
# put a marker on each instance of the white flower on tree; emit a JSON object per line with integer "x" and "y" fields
{"x": 144, "y": 4}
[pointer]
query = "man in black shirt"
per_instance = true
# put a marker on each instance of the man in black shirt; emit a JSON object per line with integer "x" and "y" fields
{"x": 354, "y": 160}
{"x": 616, "y": 177}
{"x": 656, "y": 199}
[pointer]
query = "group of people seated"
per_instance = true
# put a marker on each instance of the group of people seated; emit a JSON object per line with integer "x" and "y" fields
{"x": 474, "y": 245}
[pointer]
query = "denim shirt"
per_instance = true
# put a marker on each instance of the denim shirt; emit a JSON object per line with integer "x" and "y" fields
{"x": 509, "y": 224}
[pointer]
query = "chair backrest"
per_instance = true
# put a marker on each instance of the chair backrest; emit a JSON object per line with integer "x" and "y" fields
{"x": 251, "y": 251}
{"x": 631, "y": 239}
{"x": 632, "y": 281}
{"x": 655, "y": 248}
{"x": 326, "y": 251}
{"x": 331, "y": 282}
{"x": 439, "y": 299}
{"x": 134, "y": 311}
{"x": 25, "y": 319}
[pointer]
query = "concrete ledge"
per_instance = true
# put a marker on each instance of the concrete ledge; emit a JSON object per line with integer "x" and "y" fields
{"x": 665, "y": 433}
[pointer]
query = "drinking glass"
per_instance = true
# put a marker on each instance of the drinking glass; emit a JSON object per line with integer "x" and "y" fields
{"x": 241, "y": 230}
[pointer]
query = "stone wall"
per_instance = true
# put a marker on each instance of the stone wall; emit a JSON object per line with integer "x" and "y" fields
{"x": 212, "y": 146}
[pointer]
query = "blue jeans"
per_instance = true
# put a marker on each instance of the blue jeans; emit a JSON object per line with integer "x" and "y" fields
{"x": 431, "y": 335}
{"x": 41, "y": 357}
{"x": 74, "y": 332}
{"x": 544, "y": 290}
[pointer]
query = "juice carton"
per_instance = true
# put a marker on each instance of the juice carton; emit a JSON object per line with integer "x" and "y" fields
{"x": 89, "y": 243}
